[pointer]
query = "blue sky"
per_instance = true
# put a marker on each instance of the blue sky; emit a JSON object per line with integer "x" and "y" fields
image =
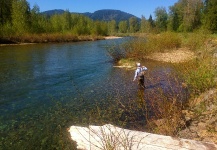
{"x": 137, "y": 7}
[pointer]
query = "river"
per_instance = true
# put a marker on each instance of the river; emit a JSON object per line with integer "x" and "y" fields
{"x": 40, "y": 83}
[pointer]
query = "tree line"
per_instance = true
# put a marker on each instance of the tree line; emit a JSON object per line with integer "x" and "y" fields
{"x": 17, "y": 18}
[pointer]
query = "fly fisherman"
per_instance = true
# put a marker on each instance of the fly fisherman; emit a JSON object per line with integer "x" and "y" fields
{"x": 139, "y": 74}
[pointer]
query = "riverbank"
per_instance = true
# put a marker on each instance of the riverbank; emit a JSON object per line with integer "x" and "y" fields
{"x": 201, "y": 114}
{"x": 175, "y": 56}
{"x": 199, "y": 117}
{"x": 112, "y": 37}
{"x": 50, "y": 38}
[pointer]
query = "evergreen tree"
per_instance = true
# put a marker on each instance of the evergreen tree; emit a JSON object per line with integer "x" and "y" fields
{"x": 133, "y": 24}
{"x": 112, "y": 26}
{"x": 66, "y": 21}
{"x": 56, "y": 24}
{"x": 99, "y": 28}
{"x": 35, "y": 19}
{"x": 192, "y": 14}
{"x": 187, "y": 13}
{"x": 104, "y": 28}
{"x": 5, "y": 11}
{"x": 5, "y": 17}
{"x": 123, "y": 26}
{"x": 161, "y": 18}
{"x": 81, "y": 25}
{"x": 20, "y": 16}
{"x": 210, "y": 15}
{"x": 143, "y": 24}
{"x": 151, "y": 21}
{"x": 45, "y": 24}
{"x": 173, "y": 19}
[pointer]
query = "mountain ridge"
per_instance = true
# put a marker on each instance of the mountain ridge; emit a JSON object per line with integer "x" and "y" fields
{"x": 101, "y": 15}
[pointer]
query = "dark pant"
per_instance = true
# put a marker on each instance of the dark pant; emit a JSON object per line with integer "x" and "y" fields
{"x": 141, "y": 80}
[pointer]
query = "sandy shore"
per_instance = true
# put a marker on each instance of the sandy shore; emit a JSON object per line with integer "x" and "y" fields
{"x": 106, "y": 38}
{"x": 112, "y": 37}
{"x": 16, "y": 44}
{"x": 176, "y": 56}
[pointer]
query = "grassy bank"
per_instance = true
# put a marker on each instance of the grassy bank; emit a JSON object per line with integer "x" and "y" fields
{"x": 48, "y": 38}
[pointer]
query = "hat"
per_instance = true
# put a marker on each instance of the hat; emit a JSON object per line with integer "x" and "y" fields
{"x": 138, "y": 64}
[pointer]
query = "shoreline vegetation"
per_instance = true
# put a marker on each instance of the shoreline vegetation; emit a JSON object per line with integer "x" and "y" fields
{"x": 50, "y": 38}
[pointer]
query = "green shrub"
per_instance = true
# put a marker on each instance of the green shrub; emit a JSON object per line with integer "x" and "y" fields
{"x": 164, "y": 41}
{"x": 136, "y": 48}
{"x": 143, "y": 46}
{"x": 200, "y": 77}
{"x": 194, "y": 41}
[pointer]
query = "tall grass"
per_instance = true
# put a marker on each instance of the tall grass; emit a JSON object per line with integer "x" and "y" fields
{"x": 143, "y": 46}
{"x": 163, "y": 42}
{"x": 168, "y": 119}
{"x": 199, "y": 76}
{"x": 196, "y": 41}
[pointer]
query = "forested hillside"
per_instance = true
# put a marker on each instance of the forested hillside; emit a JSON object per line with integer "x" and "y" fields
{"x": 17, "y": 18}
{"x": 109, "y": 14}
{"x": 101, "y": 15}
{"x": 53, "y": 12}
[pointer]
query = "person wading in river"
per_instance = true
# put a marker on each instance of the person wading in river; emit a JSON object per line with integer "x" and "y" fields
{"x": 139, "y": 74}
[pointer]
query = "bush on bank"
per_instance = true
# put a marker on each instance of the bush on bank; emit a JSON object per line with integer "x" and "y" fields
{"x": 143, "y": 46}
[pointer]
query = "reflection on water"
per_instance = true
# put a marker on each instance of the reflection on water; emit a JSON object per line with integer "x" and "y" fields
{"x": 44, "y": 85}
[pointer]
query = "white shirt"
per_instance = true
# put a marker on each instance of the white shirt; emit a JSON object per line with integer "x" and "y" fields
{"x": 137, "y": 72}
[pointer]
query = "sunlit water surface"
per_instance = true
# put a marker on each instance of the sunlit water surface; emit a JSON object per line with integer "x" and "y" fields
{"x": 35, "y": 78}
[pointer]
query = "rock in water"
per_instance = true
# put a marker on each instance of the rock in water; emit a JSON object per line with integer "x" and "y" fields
{"x": 112, "y": 137}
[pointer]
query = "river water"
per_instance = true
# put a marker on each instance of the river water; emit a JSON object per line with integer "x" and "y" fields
{"x": 36, "y": 77}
